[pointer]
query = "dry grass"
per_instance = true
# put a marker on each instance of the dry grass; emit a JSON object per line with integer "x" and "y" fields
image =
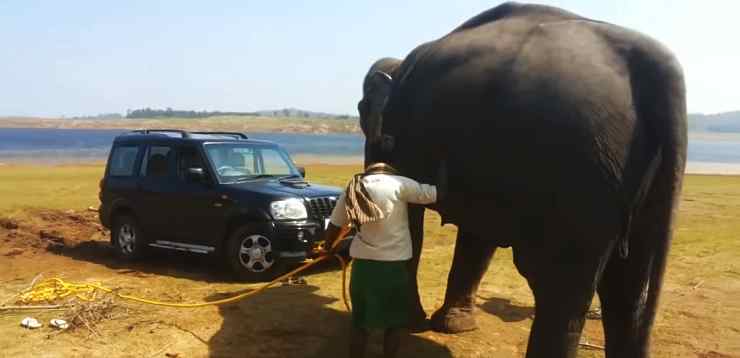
{"x": 88, "y": 314}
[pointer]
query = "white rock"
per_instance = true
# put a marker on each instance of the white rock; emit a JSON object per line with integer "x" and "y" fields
{"x": 30, "y": 323}
{"x": 59, "y": 323}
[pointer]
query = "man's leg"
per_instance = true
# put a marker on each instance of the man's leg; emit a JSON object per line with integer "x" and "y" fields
{"x": 392, "y": 341}
{"x": 358, "y": 342}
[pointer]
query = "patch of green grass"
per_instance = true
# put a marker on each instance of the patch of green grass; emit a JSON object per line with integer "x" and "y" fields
{"x": 52, "y": 187}
{"x": 707, "y": 234}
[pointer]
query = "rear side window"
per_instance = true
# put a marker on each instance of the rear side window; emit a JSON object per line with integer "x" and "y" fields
{"x": 156, "y": 162}
{"x": 122, "y": 161}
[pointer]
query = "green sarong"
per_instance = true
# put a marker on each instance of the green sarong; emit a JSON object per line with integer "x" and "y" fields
{"x": 379, "y": 293}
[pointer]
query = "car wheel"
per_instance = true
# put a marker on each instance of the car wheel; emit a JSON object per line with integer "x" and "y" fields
{"x": 127, "y": 238}
{"x": 252, "y": 256}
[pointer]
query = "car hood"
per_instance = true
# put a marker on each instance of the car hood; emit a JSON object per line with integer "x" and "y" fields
{"x": 286, "y": 189}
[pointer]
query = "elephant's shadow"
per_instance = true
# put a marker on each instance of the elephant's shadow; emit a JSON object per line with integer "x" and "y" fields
{"x": 504, "y": 309}
{"x": 296, "y": 321}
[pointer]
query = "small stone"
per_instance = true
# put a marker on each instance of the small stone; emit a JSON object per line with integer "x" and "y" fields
{"x": 8, "y": 224}
{"x": 14, "y": 252}
{"x": 55, "y": 238}
{"x": 59, "y": 323}
{"x": 30, "y": 323}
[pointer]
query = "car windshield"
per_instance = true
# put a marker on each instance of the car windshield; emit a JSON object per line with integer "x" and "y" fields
{"x": 238, "y": 162}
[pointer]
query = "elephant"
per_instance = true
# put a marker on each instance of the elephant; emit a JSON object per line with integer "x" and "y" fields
{"x": 562, "y": 137}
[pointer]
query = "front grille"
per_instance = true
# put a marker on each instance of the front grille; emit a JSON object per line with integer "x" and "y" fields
{"x": 321, "y": 207}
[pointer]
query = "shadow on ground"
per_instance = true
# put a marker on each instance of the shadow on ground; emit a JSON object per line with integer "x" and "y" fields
{"x": 196, "y": 267}
{"x": 295, "y": 321}
{"x": 504, "y": 309}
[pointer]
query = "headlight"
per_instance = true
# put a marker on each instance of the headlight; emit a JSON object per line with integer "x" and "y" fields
{"x": 292, "y": 209}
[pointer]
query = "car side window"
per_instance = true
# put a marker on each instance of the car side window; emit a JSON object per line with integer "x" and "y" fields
{"x": 123, "y": 161}
{"x": 188, "y": 158}
{"x": 156, "y": 162}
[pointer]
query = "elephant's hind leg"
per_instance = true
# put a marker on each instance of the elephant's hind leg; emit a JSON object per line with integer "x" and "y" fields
{"x": 563, "y": 280}
{"x": 471, "y": 260}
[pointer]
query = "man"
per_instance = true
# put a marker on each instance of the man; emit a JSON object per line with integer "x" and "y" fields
{"x": 375, "y": 203}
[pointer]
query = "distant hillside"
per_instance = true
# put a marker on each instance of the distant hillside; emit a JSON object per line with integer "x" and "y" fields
{"x": 249, "y": 124}
{"x": 726, "y": 122}
{"x": 300, "y": 113}
{"x": 179, "y": 113}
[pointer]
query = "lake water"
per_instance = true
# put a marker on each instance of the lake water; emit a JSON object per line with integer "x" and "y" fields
{"x": 85, "y": 145}
{"x": 42, "y": 145}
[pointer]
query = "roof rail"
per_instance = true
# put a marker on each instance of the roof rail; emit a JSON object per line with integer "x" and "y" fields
{"x": 236, "y": 135}
{"x": 182, "y": 133}
{"x": 186, "y": 134}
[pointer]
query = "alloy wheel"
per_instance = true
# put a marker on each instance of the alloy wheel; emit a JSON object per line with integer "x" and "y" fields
{"x": 255, "y": 253}
{"x": 127, "y": 239}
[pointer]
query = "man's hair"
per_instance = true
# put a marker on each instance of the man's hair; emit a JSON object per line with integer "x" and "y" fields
{"x": 380, "y": 168}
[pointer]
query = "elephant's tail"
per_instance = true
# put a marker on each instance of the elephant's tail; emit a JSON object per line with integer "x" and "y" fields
{"x": 659, "y": 141}
{"x": 654, "y": 184}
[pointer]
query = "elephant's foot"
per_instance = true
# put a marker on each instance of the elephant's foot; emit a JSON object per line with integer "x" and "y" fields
{"x": 454, "y": 320}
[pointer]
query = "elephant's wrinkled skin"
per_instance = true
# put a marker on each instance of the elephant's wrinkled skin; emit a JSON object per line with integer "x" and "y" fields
{"x": 565, "y": 138}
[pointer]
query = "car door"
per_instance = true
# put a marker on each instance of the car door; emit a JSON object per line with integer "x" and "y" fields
{"x": 199, "y": 206}
{"x": 157, "y": 191}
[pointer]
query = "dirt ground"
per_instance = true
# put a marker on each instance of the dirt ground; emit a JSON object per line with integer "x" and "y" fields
{"x": 293, "y": 320}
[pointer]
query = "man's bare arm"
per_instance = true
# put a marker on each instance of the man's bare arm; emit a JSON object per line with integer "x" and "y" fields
{"x": 332, "y": 234}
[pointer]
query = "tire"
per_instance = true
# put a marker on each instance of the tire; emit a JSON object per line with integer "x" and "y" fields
{"x": 252, "y": 256}
{"x": 127, "y": 238}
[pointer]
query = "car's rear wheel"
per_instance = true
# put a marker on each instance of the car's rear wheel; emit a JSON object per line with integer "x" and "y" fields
{"x": 252, "y": 256}
{"x": 127, "y": 238}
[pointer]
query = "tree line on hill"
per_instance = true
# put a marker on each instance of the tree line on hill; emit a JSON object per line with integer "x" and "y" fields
{"x": 176, "y": 113}
{"x": 726, "y": 122}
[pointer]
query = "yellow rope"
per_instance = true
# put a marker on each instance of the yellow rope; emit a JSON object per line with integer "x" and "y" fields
{"x": 54, "y": 289}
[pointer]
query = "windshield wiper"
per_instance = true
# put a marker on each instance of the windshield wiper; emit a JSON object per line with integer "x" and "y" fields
{"x": 243, "y": 178}
{"x": 293, "y": 178}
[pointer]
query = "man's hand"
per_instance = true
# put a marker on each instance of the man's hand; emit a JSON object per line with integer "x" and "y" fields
{"x": 331, "y": 235}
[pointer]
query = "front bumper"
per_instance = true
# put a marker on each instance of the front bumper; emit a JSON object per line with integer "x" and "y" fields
{"x": 295, "y": 239}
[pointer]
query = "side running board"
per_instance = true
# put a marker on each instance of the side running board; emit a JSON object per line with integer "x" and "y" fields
{"x": 179, "y": 246}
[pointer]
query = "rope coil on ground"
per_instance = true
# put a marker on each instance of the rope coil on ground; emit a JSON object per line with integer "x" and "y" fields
{"x": 53, "y": 289}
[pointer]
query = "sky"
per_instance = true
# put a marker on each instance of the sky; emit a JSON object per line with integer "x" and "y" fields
{"x": 71, "y": 58}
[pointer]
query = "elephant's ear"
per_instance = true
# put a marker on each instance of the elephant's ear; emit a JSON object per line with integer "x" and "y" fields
{"x": 377, "y": 88}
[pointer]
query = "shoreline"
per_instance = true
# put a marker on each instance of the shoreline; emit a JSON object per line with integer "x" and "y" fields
{"x": 255, "y": 124}
{"x": 692, "y": 168}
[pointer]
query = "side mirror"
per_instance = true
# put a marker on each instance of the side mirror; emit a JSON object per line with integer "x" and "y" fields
{"x": 302, "y": 171}
{"x": 197, "y": 175}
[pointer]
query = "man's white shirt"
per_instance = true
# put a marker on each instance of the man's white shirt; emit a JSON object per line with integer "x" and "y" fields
{"x": 387, "y": 239}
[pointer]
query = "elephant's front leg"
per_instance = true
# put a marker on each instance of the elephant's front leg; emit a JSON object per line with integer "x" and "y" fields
{"x": 418, "y": 316}
{"x": 472, "y": 257}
